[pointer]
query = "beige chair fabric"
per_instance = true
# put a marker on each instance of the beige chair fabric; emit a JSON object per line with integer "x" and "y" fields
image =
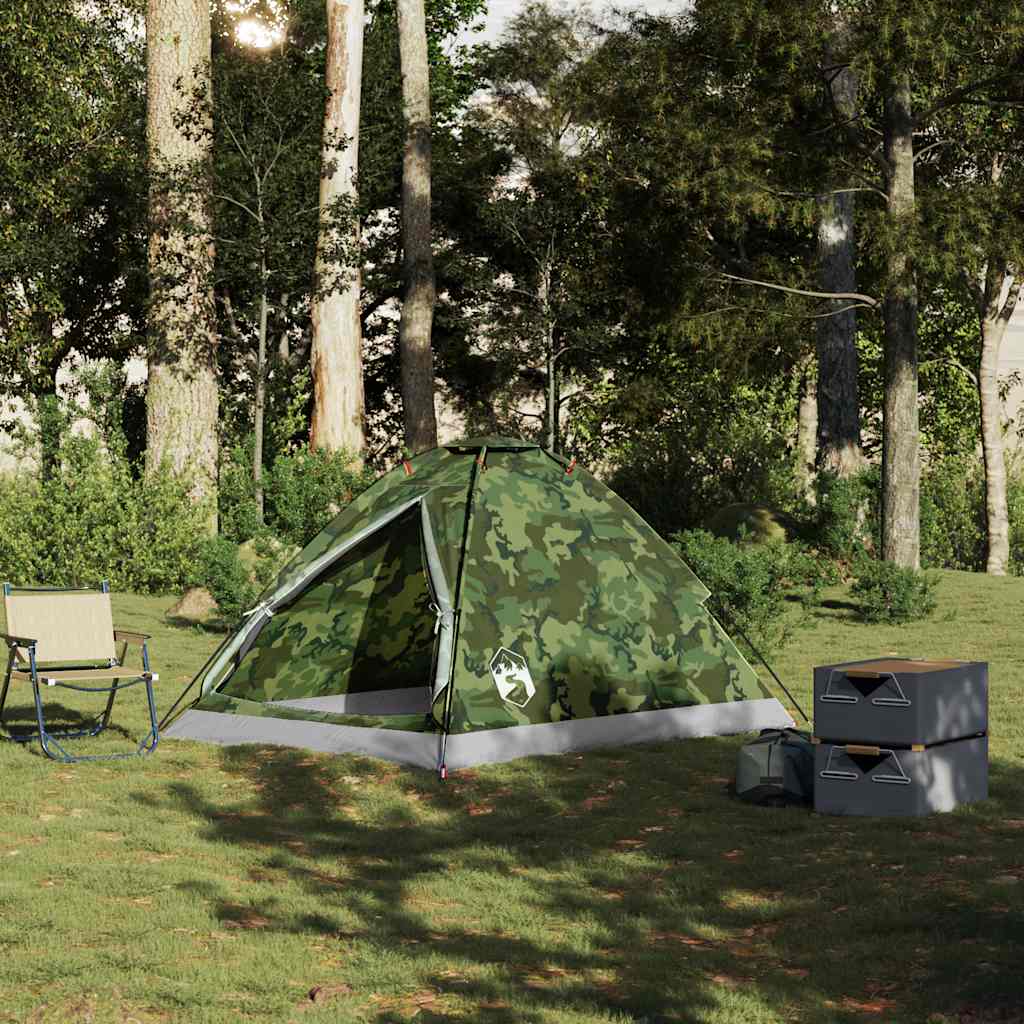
{"x": 75, "y": 626}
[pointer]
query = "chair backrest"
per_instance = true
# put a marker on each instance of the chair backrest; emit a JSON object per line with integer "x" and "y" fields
{"x": 68, "y": 625}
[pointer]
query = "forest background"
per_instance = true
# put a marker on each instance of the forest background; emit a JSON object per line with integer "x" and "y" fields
{"x": 729, "y": 256}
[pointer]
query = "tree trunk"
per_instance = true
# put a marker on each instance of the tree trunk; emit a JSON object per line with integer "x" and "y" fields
{"x": 261, "y": 391}
{"x": 839, "y": 450}
{"x": 995, "y": 314}
{"x": 337, "y": 351}
{"x": 901, "y": 460}
{"x": 808, "y": 422}
{"x": 181, "y": 398}
{"x": 550, "y": 357}
{"x": 414, "y": 330}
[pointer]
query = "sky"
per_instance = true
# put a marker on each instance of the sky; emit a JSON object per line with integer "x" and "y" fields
{"x": 499, "y": 12}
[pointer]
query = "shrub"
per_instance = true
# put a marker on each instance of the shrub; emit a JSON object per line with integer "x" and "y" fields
{"x": 750, "y": 583}
{"x": 890, "y": 594}
{"x": 846, "y": 514}
{"x": 953, "y": 531}
{"x": 306, "y": 488}
{"x": 93, "y": 520}
{"x": 238, "y": 513}
{"x": 302, "y": 490}
{"x": 222, "y": 572}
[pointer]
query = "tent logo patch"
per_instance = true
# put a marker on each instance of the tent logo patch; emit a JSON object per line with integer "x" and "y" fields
{"x": 512, "y": 677}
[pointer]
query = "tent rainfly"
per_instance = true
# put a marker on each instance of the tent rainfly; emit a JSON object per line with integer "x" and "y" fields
{"x": 483, "y": 601}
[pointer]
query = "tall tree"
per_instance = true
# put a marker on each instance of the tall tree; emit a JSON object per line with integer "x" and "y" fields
{"x": 901, "y": 455}
{"x": 71, "y": 171}
{"x": 337, "y": 354}
{"x": 418, "y": 291}
{"x": 838, "y": 444}
{"x": 182, "y": 398}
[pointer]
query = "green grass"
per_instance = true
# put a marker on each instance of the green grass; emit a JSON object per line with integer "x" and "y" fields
{"x": 207, "y": 885}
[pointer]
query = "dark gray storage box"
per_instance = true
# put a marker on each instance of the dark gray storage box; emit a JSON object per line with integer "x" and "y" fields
{"x": 898, "y": 702}
{"x": 877, "y": 781}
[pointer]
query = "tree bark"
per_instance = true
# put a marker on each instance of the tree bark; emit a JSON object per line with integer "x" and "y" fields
{"x": 337, "y": 350}
{"x": 807, "y": 427}
{"x": 995, "y": 313}
{"x": 901, "y": 460}
{"x": 261, "y": 390}
{"x": 414, "y": 331}
{"x": 181, "y": 399}
{"x": 839, "y": 450}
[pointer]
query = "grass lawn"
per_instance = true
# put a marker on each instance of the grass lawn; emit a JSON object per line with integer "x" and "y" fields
{"x": 259, "y": 884}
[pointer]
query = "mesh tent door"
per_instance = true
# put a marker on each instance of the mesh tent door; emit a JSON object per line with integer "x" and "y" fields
{"x": 359, "y": 638}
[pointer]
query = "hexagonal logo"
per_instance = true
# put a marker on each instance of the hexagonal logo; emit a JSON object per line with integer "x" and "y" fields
{"x": 512, "y": 677}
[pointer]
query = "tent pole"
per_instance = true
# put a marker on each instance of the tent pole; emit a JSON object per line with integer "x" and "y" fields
{"x": 446, "y": 716}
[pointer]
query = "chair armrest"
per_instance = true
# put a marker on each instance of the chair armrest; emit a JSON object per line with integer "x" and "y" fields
{"x": 128, "y": 636}
{"x": 17, "y": 641}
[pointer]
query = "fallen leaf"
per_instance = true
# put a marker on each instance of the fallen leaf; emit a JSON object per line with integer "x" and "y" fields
{"x": 868, "y": 1005}
{"x": 685, "y": 940}
{"x": 724, "y": 979}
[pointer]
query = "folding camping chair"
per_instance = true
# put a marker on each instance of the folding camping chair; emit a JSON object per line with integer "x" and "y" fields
{"x": 66, "y": 638}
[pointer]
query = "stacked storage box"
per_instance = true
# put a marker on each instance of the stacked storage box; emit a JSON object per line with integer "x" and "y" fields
{"x": 897, "y": 737}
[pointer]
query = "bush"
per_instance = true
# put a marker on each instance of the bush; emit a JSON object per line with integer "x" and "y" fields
{"x": 953, "y": 530}
{"x": 846, "y": 514}
{"x": 307, "y": 488}
{"x": 301, "y": 492}
{"x": 749, "y": 584}
{"x": 222, "y": 572}
{"x": 93, "y": 520}
{"x": 891, "y": 594}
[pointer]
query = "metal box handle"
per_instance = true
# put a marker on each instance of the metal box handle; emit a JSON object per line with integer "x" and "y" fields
{"x": 899, "y": 701}
{"x": 900, "y": 779}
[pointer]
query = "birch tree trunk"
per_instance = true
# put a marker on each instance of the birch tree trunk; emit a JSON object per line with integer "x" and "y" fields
{"x": 259, "y": 407}
{"x": 808, "y": 424}
{"x": 181, "y": 399}
{"x": 995, "y": 313}
{"x": 901, "y": 460}
{"x": 839, "y": 450}
{"x": 337, "y": 349}
{"x": 414, "y": 331}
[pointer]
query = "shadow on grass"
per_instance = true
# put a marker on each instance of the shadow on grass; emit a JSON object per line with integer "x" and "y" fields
{"x": 626, "y": 883}
{"x": 20, "y": 723}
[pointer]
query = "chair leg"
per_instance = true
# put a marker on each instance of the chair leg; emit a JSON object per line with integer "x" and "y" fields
{"x": 104, "y": 720}
{"x": 45, "y": 740}
{"x": 150, "y": 741}
{"x": 7, "y": 683}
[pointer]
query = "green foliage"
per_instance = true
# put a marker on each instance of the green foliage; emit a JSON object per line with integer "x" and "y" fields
{"x": 237, "y": 512}
{"x": 846, "y": 514}
{"x": 306, "y": 488}
{"x": 302, "y": 490}
{"x": 219, "y": 569}
{"x": 92, "y": 519}
{"x": 71, "y": 189}
{"x": 751, "y": 584}
{"x": 681, "y": 439}
{"x": 891, "y": 594}
{"x": 953, "y": 530}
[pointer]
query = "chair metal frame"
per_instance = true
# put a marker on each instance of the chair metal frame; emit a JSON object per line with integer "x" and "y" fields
{"x": 72, "y": 677}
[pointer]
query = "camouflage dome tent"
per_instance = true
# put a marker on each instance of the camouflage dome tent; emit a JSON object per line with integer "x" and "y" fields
{"x": 482, "y": 602}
